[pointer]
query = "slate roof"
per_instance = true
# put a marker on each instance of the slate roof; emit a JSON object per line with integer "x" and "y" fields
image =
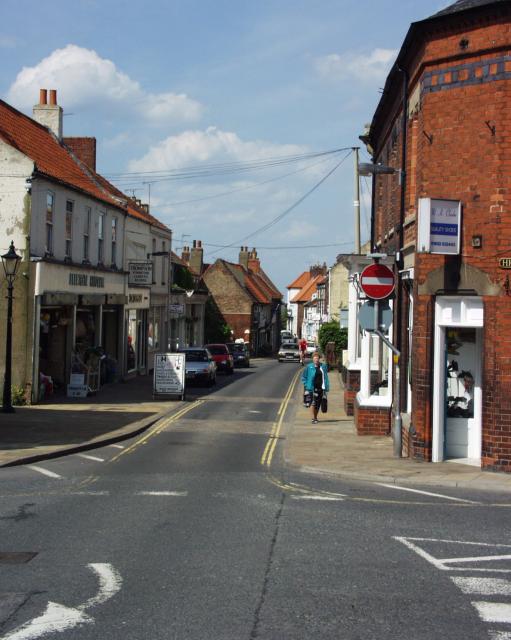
{"x": 463, "y": 5}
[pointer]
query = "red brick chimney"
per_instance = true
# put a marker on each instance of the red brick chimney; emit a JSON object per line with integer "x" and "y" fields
{"x": 185, "y": 254}
{"x": 84, "y": 149}
{"x": 49, "y": 114}
{"x": 253, "y": 262}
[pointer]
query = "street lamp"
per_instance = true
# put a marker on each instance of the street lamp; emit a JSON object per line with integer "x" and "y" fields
{"x": 10, "y": 262}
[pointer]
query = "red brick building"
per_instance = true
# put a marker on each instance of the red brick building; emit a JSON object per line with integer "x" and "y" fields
{"x": 247, "y": 299}
{"x": 443, "y": 123}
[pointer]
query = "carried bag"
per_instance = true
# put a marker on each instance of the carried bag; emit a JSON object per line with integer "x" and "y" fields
{"x": 324, "y": 404}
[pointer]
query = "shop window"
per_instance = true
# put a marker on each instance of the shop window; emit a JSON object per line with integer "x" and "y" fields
{"x": 153, "y": 333}
{"x": 86, "y": 233}
{"x": 101, "y": 231}
{"x": 50, "y": 205}
{"x": 114, "y": 242}
{"x": 154, "y": 260}
{"x": 163, "y": 263}
{"x": 69, "y": 228}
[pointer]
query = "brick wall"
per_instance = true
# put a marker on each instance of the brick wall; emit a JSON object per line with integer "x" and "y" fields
{"x": 351, "y": 381}
{"x": 372, "y": 421}
{"x": 458, "y": 147}
{"x": 84, "y": 149}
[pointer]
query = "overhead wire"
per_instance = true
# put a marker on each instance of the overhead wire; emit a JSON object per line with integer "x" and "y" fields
{"x": 287, "y": 211}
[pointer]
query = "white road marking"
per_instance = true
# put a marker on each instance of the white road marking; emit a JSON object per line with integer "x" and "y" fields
{"x": 110, "y": 583}
{"x": 483, "y": 586}
{"x": 161, "y": 493}
{"x": 56, "y": 618}
{"x": 89, "y": 493}
{"x": 425, "y": 493}
{"x": 318, "y": 497}
{"x": 494, "y": 611}
{"x": 499, "y": 635}
{"x": 116, "y": 446}
{"x": 59, "y": 618}
{"x": 45, "y": 472}
{"x": 87, "y": 457}
{"x": 443, "y": 563}
{"x": 253, "y": 411}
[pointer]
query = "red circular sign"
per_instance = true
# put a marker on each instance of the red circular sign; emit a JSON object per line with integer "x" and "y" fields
{"x": 377, "y": 281}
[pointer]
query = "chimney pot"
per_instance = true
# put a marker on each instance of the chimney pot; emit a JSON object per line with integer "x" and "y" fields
{"x": 194, "y": 244}
{"x": 43, "y": 96}
{"x": 53, "y": 96}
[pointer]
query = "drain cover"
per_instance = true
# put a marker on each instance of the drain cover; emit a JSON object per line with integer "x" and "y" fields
{"x": 16, "y": 557}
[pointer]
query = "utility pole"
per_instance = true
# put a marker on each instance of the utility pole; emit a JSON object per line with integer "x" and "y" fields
{"x": 356, "y": 201}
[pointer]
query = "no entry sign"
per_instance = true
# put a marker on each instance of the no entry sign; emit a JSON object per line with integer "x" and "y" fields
{"x": 377, "y": 281}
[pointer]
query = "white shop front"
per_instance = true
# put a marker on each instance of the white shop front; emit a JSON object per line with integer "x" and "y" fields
{"x": 78, "y": 318}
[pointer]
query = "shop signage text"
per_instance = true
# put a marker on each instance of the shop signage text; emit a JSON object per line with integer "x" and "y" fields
{"x": 505, "y": 263}
{"x": 169, "y": 374}
{"x": 140, "y": 273}
{"x": 439, "y": 226}
{"x": 84, "y": 280}
{"x": 178, "y": 309}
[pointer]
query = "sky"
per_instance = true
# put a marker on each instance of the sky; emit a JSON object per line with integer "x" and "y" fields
{"x": 219, "y": 113}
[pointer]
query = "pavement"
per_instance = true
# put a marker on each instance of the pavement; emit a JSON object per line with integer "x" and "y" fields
{"x": 330, "y": 447}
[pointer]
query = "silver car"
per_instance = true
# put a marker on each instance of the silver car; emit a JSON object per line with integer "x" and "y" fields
{"x": 200, "y": 366}
{"x": 289, "y": 352}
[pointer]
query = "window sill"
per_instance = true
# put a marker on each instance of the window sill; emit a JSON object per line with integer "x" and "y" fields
{"x": 374, "y": 401}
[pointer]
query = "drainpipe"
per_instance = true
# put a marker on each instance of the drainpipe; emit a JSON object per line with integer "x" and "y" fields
{"x": 399, "y": 258}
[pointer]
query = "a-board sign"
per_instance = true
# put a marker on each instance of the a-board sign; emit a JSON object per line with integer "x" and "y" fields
{"x": 377, "y": 281}
{"x": 77, "y": 390}
{"x": 169, "y": 374}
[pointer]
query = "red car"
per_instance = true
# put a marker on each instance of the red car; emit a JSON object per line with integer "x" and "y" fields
{"x": 223, "y": 359}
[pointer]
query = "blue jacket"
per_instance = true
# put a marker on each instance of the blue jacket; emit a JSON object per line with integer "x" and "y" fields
{"x": 308, "y": 377}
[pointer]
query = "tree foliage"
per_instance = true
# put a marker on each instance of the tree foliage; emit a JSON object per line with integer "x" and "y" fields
{"x": 331, "y": 332}
{"x": 215, "y": 327}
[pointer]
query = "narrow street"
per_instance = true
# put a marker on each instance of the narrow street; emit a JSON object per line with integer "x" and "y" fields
{"x": 182, "y": 533}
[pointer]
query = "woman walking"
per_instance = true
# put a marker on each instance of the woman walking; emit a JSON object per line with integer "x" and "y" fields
{"x": 315, "y": 381}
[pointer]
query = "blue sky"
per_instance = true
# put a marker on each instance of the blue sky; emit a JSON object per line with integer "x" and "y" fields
{"x": 164, "y": 85}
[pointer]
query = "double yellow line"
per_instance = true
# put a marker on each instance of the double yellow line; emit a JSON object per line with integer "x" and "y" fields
{"x": 158, "y": 428}
{"x": 269, "y": 450}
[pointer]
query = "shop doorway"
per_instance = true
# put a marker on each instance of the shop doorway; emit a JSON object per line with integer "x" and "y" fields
{"x": 457, "y": 392}
{"x": 137, "y": 342}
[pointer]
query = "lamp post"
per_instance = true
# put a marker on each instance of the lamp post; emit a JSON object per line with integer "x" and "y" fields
{"x": 10, "y": 262}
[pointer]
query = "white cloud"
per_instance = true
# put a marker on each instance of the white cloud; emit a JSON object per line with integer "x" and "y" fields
{"x": 212, "y": 144}
{"x": 370, "y": 66}
{"x": 82, "y": 77}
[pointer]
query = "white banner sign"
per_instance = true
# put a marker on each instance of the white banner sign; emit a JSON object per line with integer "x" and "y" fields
{"x": 178, "y": 309}
{"x": 169, "y": 374}
{"x": 439, "y": 226}
{"x": 140, "y": 273}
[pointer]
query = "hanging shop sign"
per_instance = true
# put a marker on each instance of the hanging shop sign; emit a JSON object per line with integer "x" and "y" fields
{"x": 140, "y": 273}
{"x": 439, "y": 226}
{"x": 169, "y": 374}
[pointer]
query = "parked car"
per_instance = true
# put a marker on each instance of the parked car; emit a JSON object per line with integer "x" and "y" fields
{"x": 289, "y": 352}
{"x": 223, "y": 359}
{"x": 200, "y": 366}
{"x": 311, "y": 347}
{"x": 286, "y": 336}
{"x": 240, "y": 353}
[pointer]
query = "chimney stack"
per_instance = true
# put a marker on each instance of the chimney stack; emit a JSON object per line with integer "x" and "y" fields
{"x": 185, "y": 254}
{"x": 243, "y": 257}
{"x": 49, "y": 115}
{"x": 253, "y": 261}
{"x": 84, "y": 149}
{"x": 196, "y": 256}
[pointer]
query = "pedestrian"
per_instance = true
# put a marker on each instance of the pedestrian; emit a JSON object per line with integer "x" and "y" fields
{"x": 302, "y": 346}
{"x": 315, "y": 381}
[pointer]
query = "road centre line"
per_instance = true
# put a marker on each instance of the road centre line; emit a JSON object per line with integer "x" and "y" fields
{"x": 177, "y": 494}
{"x": 45, "y": 472}
{"x": 158, "y": 428}
{"x": 116, "y": 446}
{"x": 318, "y": 497}
{"x": 274, "y": 435}
{"x": 87, "y": 457}
{"x": 424, "y": 493}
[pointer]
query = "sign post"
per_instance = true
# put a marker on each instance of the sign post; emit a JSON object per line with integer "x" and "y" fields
{"x": 169, "y": 374}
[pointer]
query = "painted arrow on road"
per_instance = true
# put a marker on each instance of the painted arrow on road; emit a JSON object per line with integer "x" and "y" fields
{"x": 58, "y": 618}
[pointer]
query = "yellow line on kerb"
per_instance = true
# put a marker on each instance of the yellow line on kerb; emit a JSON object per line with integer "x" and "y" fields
{"x": 269, "y": 449}
{"x": 158, "y": 428}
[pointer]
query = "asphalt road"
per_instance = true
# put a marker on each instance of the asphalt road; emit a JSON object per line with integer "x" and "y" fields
{"x": 183, "y": 534}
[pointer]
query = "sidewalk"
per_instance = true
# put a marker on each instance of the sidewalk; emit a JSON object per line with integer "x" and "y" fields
{"x": 333, "y": 447}
{"x": 65, "y": 425}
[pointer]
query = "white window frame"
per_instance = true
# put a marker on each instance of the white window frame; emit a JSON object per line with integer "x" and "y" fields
{"x": 68, "y": 238}
{"x": 86, "y": 233}
{"x": 49, "y": 223}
